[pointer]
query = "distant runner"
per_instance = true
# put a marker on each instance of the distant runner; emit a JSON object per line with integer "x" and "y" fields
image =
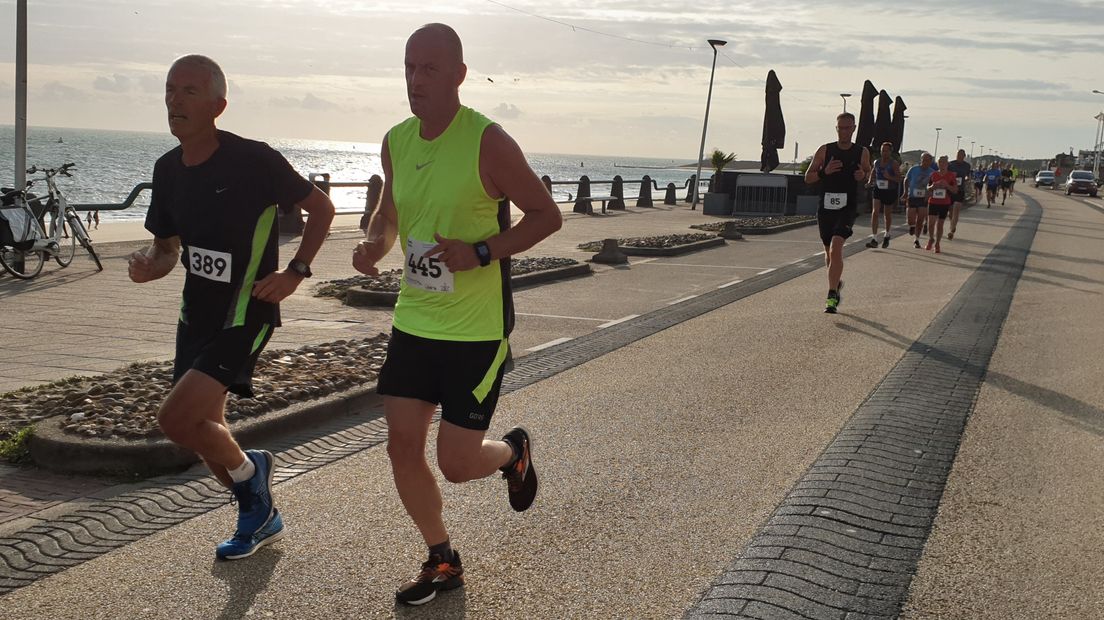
{"x": 941, "y": 190}
{"x": 961, "y": 169}
{"x": 1006, "y": 182}
{"x": 916, "y": 196}
{"x": 839, "y": 167}
{"x": 885, "y": 177}
{"x": 992, "y": 183}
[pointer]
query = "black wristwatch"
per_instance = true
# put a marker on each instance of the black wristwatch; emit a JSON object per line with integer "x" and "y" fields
{"x": 300, "y": 268}
{"x": 482, "y": 252}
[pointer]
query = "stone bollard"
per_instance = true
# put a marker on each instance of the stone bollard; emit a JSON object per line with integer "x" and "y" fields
{"x": 691, "y": 183}
{"x": 610, "y": 254}
{"x": 730, "y": 231}
{"x": 644, "y": 199}
{"x": 371, "y": 200}
{"x": 671, "y": 197}
{"x": 618, "y": 193}
{"x": 547, "y": 183}
{"x": 583, "y": 206}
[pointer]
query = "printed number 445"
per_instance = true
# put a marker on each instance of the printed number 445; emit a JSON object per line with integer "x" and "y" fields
{"x": 430, "y": 267}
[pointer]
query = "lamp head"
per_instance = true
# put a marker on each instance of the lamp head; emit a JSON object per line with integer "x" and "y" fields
{"x": 715, "y": 43}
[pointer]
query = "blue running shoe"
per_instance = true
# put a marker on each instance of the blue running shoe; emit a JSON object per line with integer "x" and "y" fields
{"x": 244, "y": 545}
{"x": 255, "y": 508}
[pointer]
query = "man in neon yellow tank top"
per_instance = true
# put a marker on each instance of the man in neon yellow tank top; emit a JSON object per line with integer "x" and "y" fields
{"x": 447, "y": 169}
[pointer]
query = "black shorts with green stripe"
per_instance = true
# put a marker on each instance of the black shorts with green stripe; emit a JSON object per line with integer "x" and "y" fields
{"x": 227, "y": 355}
{"x": 463, "y": 377}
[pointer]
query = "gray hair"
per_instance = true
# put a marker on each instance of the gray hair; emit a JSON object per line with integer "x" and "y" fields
{"x": 218, "y": 78}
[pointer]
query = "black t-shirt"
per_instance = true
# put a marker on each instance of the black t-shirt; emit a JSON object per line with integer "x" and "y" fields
{"x": 843, "y": 180}
{"x": 224, "y": 211}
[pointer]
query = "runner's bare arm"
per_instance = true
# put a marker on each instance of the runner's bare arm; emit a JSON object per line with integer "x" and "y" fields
{"x": 505, "y": 173}
{"x": 156, "y": 261}
{"x": 383, "y": 228}
{"x": 279, "y": 284}
{"x": 811, "y": 175}
{"x": 864, "y": 166}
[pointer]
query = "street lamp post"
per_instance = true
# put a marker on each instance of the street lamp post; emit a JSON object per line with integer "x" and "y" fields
{"x": 844, "y": 96}
{"x": 971, "y": 151}
{"x": 713, "y": 43}
{"x": 935, "y": 153}
{"x": 1099, "y": 139}
{"x": 958, "y": 144}
{"x": 21, "y": 94}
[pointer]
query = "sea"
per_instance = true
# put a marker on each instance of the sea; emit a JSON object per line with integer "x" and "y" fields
{"x": 110, "y": 163}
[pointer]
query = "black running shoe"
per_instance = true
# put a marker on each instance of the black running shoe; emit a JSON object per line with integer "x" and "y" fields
{"x": 839, "y": 293}
{"x": 885, "y": 242}
{"x": 873, "y": 243}
{"x": 916, "y": 244}
{"x": 521, "y": 477}
{"x": 436, "y": 575}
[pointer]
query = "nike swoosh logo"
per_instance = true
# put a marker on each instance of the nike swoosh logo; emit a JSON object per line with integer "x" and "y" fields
{"x": 219, "y": 191}
{"x": 439, "y": 578}
{"x": 420, "y": 166}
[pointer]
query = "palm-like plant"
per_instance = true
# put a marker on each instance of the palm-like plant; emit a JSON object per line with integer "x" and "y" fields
{"x": 719, "y": 160}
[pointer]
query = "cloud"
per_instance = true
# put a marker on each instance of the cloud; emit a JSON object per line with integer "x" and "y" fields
{"x": 307, "y": 102}
{"x": 506, "y": 110}
{"x": 150, "y": 83}
{"x": 116, "y": 83}
{"x": 56, "y": 91}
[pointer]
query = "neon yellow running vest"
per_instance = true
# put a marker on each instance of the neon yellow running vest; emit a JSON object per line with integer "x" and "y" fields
{"x": 437, "y": 189}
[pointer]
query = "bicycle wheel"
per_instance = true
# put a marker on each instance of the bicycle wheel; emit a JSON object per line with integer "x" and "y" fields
{"x": 23, "y": 265}
{"x": 66, "y": 248}
{"x": 81, "y": 233}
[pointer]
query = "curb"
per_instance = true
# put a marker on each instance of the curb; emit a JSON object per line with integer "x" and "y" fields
{"x": 674, "y": 251}
{"x": 759, "y": 230}
{"x": 54, "y": 449}
{"x": 360, "y": 296}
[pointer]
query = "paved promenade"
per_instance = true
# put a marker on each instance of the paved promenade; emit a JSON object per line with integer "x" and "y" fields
{"x": 703, "y": 416}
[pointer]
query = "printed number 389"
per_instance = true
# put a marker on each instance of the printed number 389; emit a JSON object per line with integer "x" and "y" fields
{"x": 207, "y": 265}
{"x": 430, "y": 267}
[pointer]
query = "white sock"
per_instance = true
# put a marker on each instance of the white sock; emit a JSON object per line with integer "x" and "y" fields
{"x": 244, "y": 471}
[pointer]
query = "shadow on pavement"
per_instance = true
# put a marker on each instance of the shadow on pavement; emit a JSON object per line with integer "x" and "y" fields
{"x": 245, "y": 580}
{"x": 1084, "y": 415}
{"x": 451, "y": 605}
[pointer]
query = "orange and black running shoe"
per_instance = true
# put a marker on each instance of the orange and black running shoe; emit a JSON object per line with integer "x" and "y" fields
{"x": 436, "y": 576}
{"x": 521, "y": 477}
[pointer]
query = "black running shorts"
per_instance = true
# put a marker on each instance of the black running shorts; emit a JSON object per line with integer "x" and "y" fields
{"x": 887, "y": 197}
{"x": 939, "y": 211}
{"x": 463, "y": 377}
{"x": 836, "y": 223}
{"x": 917, "y": 203}
{"x": 226, "y": 355}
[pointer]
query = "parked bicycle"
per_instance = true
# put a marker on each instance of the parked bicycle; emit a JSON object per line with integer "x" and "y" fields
{"x": 24, "y": 243}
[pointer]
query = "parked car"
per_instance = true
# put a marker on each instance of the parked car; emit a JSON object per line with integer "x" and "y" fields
{"x": 1081, "y": 182}
{"x": 1045, "y": 177}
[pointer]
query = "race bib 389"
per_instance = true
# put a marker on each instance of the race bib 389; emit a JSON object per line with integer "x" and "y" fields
{"x": 209, "y": 264}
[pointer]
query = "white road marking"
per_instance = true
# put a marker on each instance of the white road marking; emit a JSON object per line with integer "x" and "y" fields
{"x": 558, "y": 316}
{"x": 716, "y": 266}
{"x": 728, "y": 284}
{"x": 550, "y": 343}
{"x": 679, "y": 301}
{"x": 766, "y": 271}
{"x": 616, "y": 321}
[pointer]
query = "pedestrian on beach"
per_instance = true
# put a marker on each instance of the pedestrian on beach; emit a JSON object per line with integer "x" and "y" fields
{"x": 839, "y": 167}
{"x": 448, "y": 172}
{"x": 215, "y": 195}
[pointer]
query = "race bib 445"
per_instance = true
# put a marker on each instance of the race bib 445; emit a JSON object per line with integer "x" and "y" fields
{"x": 428, "y": 273}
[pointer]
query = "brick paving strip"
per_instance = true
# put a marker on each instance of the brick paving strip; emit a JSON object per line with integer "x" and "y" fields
{"x": 845, "y": 542}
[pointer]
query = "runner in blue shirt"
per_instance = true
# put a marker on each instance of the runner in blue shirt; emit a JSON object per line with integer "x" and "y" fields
{"x": 992, "y": 182}
{"x": 915, "y": 196}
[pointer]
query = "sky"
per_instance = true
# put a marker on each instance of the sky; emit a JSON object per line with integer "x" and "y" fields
{"x": 600, "y": 77}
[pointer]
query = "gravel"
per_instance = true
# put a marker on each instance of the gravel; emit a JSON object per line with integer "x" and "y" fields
{"x": 389, "y": 281}
{"x": 754, "y": 222}
{"x": 660, "y": 241}
{"x": 124, "y": 403}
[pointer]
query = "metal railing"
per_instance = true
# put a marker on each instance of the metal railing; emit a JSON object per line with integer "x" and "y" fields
{"x": 110, "y": 206}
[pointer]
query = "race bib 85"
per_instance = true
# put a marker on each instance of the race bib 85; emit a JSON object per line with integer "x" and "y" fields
{"x": 209, "y": 264}
{"x": 835, "y": 201}
{"x": 428, "y": 273}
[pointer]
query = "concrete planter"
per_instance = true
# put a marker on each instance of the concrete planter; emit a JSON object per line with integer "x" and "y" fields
{"x": 717, "y": 204}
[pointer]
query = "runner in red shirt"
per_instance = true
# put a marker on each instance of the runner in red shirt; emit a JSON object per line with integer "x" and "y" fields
{"x": 941, "y": 190}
